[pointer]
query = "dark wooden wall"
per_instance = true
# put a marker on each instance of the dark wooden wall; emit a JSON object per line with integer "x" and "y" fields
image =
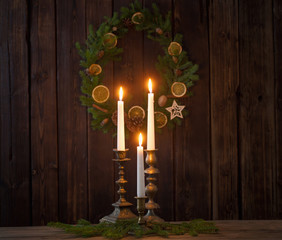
{"x": 224, "y": 162}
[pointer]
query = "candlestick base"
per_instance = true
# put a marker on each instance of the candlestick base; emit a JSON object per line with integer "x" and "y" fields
{"x": 122, "y": 212}
{"x": 122, "y": 207}
{"x": 151, "y": 187}
{"x": 152, "y": 217}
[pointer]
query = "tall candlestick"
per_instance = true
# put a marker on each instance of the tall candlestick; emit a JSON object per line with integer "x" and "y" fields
{"x": 140, "y": 170}
{"x": 120, "y": 123}
{"x": 150, "y": 120}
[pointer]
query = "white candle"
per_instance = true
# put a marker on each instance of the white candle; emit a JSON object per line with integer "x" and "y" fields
{"x": 151, "y": 119}
{"x": 120, "y": 123}
{"x": 140, "y": 170}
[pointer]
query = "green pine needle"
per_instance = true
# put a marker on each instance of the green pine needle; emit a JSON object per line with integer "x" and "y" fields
{"x": 122, "y": 229}
{"x": 93, "y": 51}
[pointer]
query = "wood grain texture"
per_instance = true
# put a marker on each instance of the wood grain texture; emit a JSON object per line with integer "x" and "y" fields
{"x": 100, "y": 146}
{"x": 164, "y": 141}
{"x": 72, "y": 117}
{"x": 44, "y": 159}
{"x": 129, "y": 73}
{"x": 192, "y": 139}
{"x": 277, "y": 20}
{"x": 278, "y": 85}
{"x": 14, "y": 121}
{"x": 224, "y": 162}
{"x": 257, "y": 121}
{"x": 224, "y": 82}
{"x": 270, "y": 229}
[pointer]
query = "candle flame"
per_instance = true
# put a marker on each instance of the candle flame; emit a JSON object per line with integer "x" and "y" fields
{"x": 140, "y": 139}
{"x": 120, "y": 94}
{"x": 150, "y": 85}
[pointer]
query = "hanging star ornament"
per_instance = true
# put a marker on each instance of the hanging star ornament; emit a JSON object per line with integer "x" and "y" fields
{"x": 175, "y": 110}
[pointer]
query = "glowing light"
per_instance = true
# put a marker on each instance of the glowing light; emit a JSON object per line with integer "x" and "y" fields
{"x": 150, "y": 85}
{"x": 120, "y": 94}
{"x": 140, "y": 139}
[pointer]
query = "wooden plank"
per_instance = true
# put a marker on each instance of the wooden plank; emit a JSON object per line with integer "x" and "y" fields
{"x": 5, "y": 121}
{"x": 100, "y": 166}
{"x": 263, "y": 229}
{"x": 129, "y": 73}
{"x": 223, "y": 27}
{"x": 192, "y": 139}
{"x": 15, "y": 207}
{"x": 257, "y": 123}
{"x": 72, "y": 117}
{"x": 278, "y": 98}
{"x": 164, "y": 141}
{"x": 44, "y": 161}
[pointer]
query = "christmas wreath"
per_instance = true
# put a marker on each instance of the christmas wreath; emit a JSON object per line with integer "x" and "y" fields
{"x": 178, "y": 73}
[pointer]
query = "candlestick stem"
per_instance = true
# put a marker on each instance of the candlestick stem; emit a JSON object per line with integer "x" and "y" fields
{"x": 122, "y": 206}
{"x": 151, "y": 187}
{"x": 141, "y": 209}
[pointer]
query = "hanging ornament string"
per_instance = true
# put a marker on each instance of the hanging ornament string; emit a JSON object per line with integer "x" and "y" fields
{"x": 177, "y": 72}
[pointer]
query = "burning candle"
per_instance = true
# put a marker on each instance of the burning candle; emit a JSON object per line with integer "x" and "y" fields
{"x": 140, "y": 169}
{"x": 150, "y": 120}
{"x": 120, "y": 123}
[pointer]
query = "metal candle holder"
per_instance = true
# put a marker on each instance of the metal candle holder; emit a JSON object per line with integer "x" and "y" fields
{"x": 122, "y": 207}
{"x": 151, "y": 188}
{"x": 141, "y": 209}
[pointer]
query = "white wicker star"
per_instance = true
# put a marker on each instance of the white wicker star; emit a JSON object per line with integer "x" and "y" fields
{"x": 175, "y": 110}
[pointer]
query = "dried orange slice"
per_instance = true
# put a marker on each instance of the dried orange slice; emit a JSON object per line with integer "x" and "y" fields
{"x": 178, "y": 89}
{"x": 109, "y": 40}
{"x": 136, "y": 112}
{"x": 161, "y": 119}
{"x": 137, "y": 18}
{"x": 100, "y": 94}
{"x": 95, "y": 69}
{"x": 174, "y": 49}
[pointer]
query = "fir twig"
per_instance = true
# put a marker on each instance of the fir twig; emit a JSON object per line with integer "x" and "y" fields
{"x": 121, "y": 229}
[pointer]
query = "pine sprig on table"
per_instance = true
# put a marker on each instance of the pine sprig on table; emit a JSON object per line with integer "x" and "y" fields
{"x": 123, "y": 228}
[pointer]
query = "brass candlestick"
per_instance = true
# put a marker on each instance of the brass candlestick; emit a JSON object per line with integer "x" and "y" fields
{"x": 151, "y": 188}
{"x": 122, "y": 207}
{"x": 141, "y": 209}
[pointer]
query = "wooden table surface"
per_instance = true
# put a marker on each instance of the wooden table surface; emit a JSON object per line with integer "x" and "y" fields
{"x": 259, "y": 229}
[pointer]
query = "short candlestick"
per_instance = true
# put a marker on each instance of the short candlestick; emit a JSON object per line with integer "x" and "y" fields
{"x": 141, "y": 209}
